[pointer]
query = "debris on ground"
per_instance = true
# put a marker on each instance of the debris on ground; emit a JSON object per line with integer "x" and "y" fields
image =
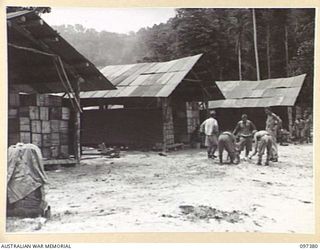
{"x": 206, "y": 213}
{"x": 111, "y": 152}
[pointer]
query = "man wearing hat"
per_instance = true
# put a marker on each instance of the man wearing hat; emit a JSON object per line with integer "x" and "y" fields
{"x": 210, "y": 128}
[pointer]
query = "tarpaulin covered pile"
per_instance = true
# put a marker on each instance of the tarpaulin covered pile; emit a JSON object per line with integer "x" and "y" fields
{"x": 25, "y": 181}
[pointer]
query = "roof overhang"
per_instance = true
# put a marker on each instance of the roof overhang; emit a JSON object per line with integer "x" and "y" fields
{"x": 34, "y": 52}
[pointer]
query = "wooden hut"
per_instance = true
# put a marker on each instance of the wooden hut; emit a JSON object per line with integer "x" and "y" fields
{"x": 158, "y": 104}
{"x": 40, "y": 62}
{"x": 251, "y": 97}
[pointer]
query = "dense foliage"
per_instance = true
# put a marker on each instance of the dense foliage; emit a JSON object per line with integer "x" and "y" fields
{"x": 285, "y": 42}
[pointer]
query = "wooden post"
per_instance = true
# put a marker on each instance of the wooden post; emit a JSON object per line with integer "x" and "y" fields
{"x": 164, "y": 107}
{"x": 290, "y": 120}
{"x": 77, "y": 125}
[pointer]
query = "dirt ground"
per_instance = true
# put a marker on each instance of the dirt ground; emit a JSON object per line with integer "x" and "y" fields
{"x": 181, "y": 192}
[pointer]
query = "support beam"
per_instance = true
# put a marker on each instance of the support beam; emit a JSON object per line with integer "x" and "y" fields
{"x": 77, "y": 124}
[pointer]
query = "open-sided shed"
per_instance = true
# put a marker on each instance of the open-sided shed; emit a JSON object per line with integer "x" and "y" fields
{"x": 252, "y": 96}
{"x": 41, "y": 61}
{"x": 159, "y": 100}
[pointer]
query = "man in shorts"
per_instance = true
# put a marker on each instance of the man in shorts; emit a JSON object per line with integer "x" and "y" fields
{"x": 211, "y": 130}
{"x": 244, "y": 130}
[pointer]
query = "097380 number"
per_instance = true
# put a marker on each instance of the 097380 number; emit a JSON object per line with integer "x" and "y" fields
{"x": 308, "y": 245}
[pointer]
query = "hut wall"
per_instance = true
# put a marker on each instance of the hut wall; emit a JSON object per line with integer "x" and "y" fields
{"x": 185, "y": 118}
{"x": 130, "y": 127}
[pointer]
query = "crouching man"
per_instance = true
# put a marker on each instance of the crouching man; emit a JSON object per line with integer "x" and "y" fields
{"x": 227, "y": 141}
{"x": 263, "y": 141}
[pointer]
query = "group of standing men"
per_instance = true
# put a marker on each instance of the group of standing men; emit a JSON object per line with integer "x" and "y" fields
{"x": 246, "y": 131}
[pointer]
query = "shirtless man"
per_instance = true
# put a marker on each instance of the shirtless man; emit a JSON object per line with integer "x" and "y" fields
{"x": 227, "y": 141}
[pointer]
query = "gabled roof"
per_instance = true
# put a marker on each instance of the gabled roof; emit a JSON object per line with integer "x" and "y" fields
{"x": 157, "y": 79}
{"x": 32, "y": 44}
{"x": 248, "y": 94}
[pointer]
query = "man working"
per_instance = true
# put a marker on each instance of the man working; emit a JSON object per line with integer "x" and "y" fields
{"x": 211, "y": 130}
{"x": 227, "y": 141}
{"x": 263, "y": 140}
{"x": 272, "y": 124}
{"x": 244, "y": 130}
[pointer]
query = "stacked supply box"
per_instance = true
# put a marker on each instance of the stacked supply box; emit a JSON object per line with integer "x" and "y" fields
{"x": 19, "y": 129}
{"x": 40, "y": 119}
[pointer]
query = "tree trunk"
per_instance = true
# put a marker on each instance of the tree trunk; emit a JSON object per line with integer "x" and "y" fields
{"x": 286, "y": 48}
{"x": 255, "y": 43}
{"x": 290, "y": 120}
{"x": 268, "y": 51}
{"x": 239, "y": 58}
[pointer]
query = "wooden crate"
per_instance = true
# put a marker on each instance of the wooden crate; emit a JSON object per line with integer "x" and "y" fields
{"x": 46, "y": 140}
{"x": 45, "y": 127}
{"x": 19, "y": 124}
{"x": 64, "y": 126}
{"x": 12, "y": 113}
{"x": 36, "y": 139}
{"x": 13, "y": 100}
{"x": 36, "y": 126}
{"x": 55, "y": 138}
{"x": 46, "y": 152}
{"x": 31, "y": 112}
{"x": 65, "y": 113}
{"x": 34, "y": 100}
{"x": 14, "y": 138}
{"x": 55, "y": 113}
{"x": 64, "y": 138}
{"x": 55, "y": 126}
{"x": 55, "y": 151}
{"x": 64, "y": 150}
{"x": 44, "y": 113}
{"x": 55, "y": 101}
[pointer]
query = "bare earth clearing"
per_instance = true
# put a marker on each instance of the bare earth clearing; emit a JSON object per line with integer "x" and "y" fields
{"x": 182, "y": 192}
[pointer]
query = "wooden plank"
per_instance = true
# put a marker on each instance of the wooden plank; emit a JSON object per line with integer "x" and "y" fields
{"x": 64, "y": 138}
{"x": 19, "y": 124}
{"x": 55, "y": 113}
{"x": 45, "y": 127}
{"x": 55, "y": 101}
{"x": 46, "y": 140}
{"x": 55, "y": 138}
{"x": 36, "y": 139}
{"x": 14, "y": 138}
{"x": 31, "y": 112}
{"x": 36, "y": 126}
{"x": 55, "y": 126}
{"x": 34, "y": 100}
{"x": 44, "y": 113}
{"x": 60, "y": 161}
{"x": 13, "y": 100}
{"x": 65, "y": 113}
{"x": 12, "y": 113}
{"x": 64, "y": 150}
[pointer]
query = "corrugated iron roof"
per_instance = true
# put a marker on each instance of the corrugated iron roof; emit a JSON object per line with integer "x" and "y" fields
{"x": 38, "y": 70}
{"x": 269, "y": 92}
{"x": 158, "y": 79}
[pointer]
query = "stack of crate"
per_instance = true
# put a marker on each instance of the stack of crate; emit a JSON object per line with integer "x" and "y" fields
{"x": 168, "y": 130}
{"x": 193, "y": 118}
{"x": 46, "y": 122}
{"x": 18, "y": 127}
